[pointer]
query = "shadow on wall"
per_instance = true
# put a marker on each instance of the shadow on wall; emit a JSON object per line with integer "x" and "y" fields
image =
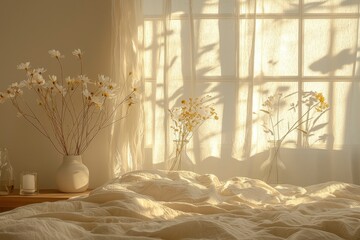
{"x": 349, "y": 2}
{"x": 338, "y": 61}
{"x": 319, "y": 4}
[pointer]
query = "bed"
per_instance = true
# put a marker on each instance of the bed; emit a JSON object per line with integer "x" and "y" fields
{"x": 185, "y": 205}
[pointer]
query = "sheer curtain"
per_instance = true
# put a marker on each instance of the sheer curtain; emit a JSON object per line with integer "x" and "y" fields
{"x": 241, "y": 52}
{"x": 127, "y": 135}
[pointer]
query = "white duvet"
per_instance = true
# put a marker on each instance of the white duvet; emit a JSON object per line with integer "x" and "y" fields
{"x": 186, "y": 205}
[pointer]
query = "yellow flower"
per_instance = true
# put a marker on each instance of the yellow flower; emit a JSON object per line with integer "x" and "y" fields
{"x": 190, "y": 115}
{"x": 323, "y": 105}
{"x": 319, "y": 97}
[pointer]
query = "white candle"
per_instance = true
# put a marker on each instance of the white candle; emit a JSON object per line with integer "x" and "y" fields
{"x": 28, "y": 183}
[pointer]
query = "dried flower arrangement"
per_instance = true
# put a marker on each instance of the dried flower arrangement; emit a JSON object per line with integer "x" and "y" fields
{"x": 73, "y": 109}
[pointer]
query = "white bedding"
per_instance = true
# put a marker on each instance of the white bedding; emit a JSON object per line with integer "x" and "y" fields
{"x": 186, "y": 205}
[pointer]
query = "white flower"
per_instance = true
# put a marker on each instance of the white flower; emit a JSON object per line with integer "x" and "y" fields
{"x": 38, "y": 79}
{"x": 103, "y": 80}
{"x": 14, "y": 85}
{"x": 70, "y": 81}
{"x": 53, "y": 79}
{"x": 50, "y": 84}
{"x": 87, "y": 94}
{"x": 55, "y": 54}
{"x": 77, "y": 53}
{"x": 40, "y": 70}
{"x": 23, "y": 66}
{"x": 24, "y": 83}
{"x": 107, "y": 93}
{"x": 83, "y": 79}
{"x": 60, "y": 89}
{"x": 98, "y": 101}
{"x": 34, "y": 72}
{"x": 110, "y": 86}
{"x": 14, "y": 90}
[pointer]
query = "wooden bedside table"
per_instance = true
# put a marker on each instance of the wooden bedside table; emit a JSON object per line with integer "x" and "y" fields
{"x": 15, "y": 200}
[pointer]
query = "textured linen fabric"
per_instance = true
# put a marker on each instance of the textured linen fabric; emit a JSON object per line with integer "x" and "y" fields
{"x": 185, "y": 205}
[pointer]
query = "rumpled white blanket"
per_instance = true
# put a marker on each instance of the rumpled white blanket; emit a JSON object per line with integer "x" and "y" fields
{"x": 185, "y": 205}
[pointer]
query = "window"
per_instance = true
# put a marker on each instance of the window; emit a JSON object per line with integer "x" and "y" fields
{"x": 242, "y": 51}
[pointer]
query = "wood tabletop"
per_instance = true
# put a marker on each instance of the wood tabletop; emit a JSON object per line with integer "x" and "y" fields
{"x": 14, "y": 199}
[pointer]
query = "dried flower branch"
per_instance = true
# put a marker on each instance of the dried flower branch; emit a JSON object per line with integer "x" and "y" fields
{"x": 72, "y": 111}
{"x": 315, "y": 103}
{"x": 186, "y": 119}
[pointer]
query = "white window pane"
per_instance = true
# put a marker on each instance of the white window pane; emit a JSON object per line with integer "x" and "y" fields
{"x": 245, "y": 47}
{"x": 153, "y": 48}
{"x": 215, "y": 55}
{"x": 269, "y": 6}
{"x": 331, "y": 6}
{"x": 179, "y": 58}
{"x": 153, "y": 7}
{"x": 179, "y": 6}
{"x": 213, "y": 6}
{"x": 329, "y": 47}
{"x": 149, "y": 105}
{"x": 276, "y": 48}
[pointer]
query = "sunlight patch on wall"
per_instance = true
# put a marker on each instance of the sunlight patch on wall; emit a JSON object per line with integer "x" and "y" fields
{"x": 276, "y": 47}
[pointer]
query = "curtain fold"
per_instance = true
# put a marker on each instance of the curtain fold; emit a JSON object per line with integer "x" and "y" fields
{"x": 127, "y": 36}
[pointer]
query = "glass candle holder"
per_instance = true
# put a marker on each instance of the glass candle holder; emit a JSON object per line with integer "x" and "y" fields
{"x": 28, "y": 183}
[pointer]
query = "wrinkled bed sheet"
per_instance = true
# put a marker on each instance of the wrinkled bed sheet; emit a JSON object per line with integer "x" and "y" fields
{"x": 185, "y": 205}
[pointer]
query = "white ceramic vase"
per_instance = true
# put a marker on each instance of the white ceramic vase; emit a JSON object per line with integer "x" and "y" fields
{"x": 72, "y": 175}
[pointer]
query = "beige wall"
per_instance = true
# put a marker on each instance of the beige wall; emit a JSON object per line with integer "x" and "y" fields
{"x": 28, "y": 29}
